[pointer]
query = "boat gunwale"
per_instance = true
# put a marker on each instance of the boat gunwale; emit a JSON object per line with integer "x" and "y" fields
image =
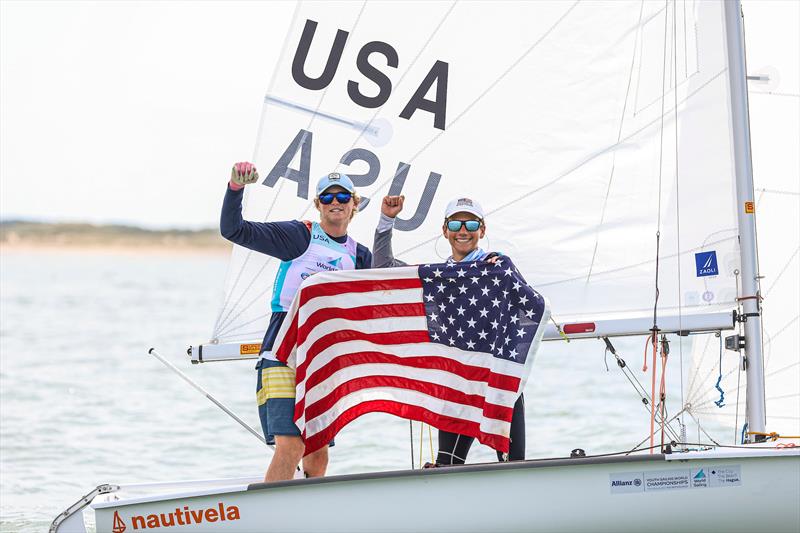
{"x": 666, "y": 459}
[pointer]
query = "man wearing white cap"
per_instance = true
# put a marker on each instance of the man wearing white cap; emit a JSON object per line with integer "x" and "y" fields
{"x": 464, "y": 226}
{"x": 304, "y": 248}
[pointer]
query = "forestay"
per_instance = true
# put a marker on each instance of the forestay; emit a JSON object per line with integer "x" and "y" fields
{"x": 584, "y": 129}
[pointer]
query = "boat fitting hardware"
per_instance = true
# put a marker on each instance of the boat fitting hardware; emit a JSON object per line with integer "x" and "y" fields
{"x": 78, "y": 506}
{"x": 734, "y": 343}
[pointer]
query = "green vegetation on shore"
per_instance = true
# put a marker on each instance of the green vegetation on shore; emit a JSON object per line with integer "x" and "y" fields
{"x": 42, "y": 234}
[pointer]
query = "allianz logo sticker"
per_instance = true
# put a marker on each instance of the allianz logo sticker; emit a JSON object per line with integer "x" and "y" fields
{"x": 706, "y": 263}
{"x": 658, "y": 481}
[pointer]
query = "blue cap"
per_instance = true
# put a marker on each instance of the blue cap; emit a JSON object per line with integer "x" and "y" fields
{"x": 335, "y": 178}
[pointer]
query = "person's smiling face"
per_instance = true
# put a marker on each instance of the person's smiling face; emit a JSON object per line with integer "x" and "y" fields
{"x": 463, "y": 241}
{"x": 335, "y": 213}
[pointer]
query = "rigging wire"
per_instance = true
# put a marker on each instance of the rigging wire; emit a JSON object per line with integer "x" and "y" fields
{"x": 721, "y": 402}
{"x": 654, "y": 331}
{"x": 677, "y": 186}
{"x": 575, "y": 167}
{"x": 619, "y": 136}
{"x": 641, "y": 392}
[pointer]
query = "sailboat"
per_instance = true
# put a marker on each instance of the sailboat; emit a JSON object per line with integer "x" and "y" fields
{"x": 610, "y": 145}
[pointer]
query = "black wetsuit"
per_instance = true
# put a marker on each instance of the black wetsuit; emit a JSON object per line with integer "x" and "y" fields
{"x": 453, "y": 448}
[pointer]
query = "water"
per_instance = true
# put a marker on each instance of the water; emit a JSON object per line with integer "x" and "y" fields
{"x": 82, "y": 403}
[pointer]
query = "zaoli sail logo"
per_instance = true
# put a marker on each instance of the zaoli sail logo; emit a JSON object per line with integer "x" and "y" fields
{"x": 706, "y": 263}
{"x": 118, "y": 525}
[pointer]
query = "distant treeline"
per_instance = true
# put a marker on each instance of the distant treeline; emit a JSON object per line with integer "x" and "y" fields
{"x": 28, "y": 233}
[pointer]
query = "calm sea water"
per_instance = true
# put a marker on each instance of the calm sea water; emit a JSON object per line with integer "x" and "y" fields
{"x": 82, "y": 403}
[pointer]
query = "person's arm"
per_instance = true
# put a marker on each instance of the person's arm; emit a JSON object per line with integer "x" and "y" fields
{"x": 284, "y": 240}
{"x": 363, "y": 257}
{"x": 382, "y": 255}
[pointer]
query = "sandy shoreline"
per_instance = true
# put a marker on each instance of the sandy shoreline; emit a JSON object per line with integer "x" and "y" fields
{"x": 112, "y": 249}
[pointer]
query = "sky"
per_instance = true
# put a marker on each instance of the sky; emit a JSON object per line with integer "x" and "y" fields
{"x": 133, "y": 112}
{"x": 130, "y": 112}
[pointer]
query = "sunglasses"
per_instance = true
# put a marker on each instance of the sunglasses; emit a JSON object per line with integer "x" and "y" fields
{"x": 471, "y": 225}
{"x": 341, "y": 197}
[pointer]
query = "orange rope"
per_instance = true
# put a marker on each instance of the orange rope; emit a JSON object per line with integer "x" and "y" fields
{"x": 773, "y": 435}
{"x": 654, "y": 338}
{"x": 663, "y": 389}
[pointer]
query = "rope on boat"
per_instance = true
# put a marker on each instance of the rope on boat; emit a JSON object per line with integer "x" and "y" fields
{"x": 639, "y": 388}
{"x": 772, "y": 435}
{"x": 721, "y": 402}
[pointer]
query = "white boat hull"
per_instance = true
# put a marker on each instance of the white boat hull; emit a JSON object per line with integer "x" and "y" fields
{"x": 743, "y": 491}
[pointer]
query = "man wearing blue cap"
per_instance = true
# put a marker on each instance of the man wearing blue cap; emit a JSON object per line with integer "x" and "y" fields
{"x": 304, "y": 248}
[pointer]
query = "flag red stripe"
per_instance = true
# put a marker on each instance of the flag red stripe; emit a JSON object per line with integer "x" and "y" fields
{"x": 366, "y": 285}
{"x": 411, "y": 412}
{"x": 433, "y": 390}
{"x": 395, "y": 337}
{"x": 289, "y": 341}
{"x": 433, "y": 362}
{"x": 366, "y": 312}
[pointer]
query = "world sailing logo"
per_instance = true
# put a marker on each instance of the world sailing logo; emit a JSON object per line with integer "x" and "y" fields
{"x": 706, "y": 263}
{"x": 118, "y": 525}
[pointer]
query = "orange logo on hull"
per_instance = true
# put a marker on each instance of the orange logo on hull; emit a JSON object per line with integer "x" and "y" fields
{"x": 184, "y": 517}
{"x": 119, "y": 525}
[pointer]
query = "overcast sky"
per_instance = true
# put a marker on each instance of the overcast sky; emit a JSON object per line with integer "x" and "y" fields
{"x": 130, "y": 111}
{"x": 134, "y": 111}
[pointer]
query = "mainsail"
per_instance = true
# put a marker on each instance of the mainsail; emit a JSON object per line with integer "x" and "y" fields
{"x": 595, "y": 134}
{"x": 773, "y": 56}
{"x": 586, "y": 130}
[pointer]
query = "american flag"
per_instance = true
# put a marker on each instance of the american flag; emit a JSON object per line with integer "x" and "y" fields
{"x": 448, "y": 344}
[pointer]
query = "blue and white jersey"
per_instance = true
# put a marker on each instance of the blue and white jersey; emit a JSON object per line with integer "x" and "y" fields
{"x": 322, "y": 254}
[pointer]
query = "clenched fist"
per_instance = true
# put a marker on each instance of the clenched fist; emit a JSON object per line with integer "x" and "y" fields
{"x": 243, "y": 174}
{"x": 392, "y": 205}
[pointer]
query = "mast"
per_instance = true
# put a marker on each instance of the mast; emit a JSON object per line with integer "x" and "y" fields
{"x": 743, "y": 164}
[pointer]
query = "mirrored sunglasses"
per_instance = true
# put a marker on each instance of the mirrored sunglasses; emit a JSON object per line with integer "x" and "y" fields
{"x": 341, "y": 197}
{"x": 471, "y": 225}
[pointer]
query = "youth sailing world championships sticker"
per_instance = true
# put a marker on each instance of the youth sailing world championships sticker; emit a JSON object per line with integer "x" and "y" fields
{"x": 695, "y": 478}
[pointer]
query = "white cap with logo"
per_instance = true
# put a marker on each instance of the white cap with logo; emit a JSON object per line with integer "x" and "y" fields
{"x": 463, "y": 205}
{"x": 335, "y": 178}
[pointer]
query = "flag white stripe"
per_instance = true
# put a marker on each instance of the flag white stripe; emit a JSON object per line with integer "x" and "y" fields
{"x": 438, "y": 377}
{"x": 374, "y": 274}
{"x": 436, "y": 405}
{"x": 478, "y": 359}
{"x": 359, "y": 299}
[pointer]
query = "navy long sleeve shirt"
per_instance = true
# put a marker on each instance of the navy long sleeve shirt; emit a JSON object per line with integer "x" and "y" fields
{"x": 283, "y": 240}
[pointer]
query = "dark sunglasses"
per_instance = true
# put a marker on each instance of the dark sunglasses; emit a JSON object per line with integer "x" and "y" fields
{"x": 341, "y": 197}
{"x": 471, "y": 225}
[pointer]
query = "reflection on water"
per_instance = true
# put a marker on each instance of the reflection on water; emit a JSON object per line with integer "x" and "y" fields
{"x": 82, "y": 402}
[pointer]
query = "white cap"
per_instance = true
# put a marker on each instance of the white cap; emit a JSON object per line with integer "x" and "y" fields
{"x": 463, "y": 205}
{"x": 335, "y": 178}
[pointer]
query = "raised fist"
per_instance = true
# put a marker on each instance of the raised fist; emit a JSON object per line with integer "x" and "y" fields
{"x": 392, "y": 205}
{"x": 243, "y": 174}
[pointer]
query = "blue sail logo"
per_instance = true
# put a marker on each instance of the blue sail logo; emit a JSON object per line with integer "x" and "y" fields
{"x": 706, "y": 263}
